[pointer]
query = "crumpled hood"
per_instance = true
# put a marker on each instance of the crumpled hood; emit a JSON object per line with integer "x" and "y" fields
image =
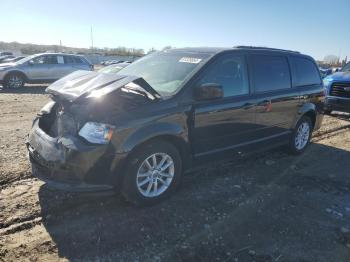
{"x": 339, "y": 76}
{"x": 83, "y": 83}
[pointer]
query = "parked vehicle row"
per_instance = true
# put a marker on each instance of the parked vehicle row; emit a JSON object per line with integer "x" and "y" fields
{"x": 138, "y": 130}
{"x": 112, "y": 62}
{"x": 41, "y": 68}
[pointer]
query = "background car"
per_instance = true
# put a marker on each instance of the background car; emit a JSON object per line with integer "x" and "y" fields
{"x": 12, "y": 60}
{"x": 5, "y": 53}
{"x": 325, "y": 72}
{"x": 337, "y": 89}
{"x": 4, "y": 57}
{"x": 41, "y": 68}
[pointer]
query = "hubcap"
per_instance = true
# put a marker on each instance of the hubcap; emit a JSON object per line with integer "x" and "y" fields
{"x": 155, "y": 175}
{"x": 15, "y": 81}
{"x": 302, "y": 135}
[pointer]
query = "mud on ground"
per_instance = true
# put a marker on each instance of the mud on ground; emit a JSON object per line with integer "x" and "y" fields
{"x": 265, "y": 207}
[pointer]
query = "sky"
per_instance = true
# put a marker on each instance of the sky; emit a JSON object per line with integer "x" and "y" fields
{"x": 314, "y": 27}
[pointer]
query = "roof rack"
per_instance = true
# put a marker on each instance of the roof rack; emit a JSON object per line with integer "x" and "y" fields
{"x": 265, "y": 48}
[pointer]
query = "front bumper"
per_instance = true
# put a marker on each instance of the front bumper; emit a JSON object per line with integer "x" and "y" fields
{"x": 337, "y": 103}
{"x": 69, "y": 163}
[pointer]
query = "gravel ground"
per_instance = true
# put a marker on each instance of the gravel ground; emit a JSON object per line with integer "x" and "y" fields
{"x": 264, "y": 207}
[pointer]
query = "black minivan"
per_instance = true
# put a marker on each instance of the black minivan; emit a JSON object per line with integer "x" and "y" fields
{"x": 139, "y": 129}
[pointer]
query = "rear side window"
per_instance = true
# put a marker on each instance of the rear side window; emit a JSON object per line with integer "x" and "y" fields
{"x": 270, "y": 73}
{"x": 72, "y": 60}
{"x": 229, "y": 71}
{"x": 45, "y": 59}
{"x": 304, "y": 72}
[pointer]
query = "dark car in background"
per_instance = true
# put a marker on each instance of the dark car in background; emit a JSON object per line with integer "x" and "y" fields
{"x": 41, "y": 68}
{"x": 337, "y": 89}
{"x": 12, "y": 59}
{"x": 140, "y": 129}
{"x": 5, "y": 53}
{"x": 325, "y": 72}
{"x": 5, "y": 57}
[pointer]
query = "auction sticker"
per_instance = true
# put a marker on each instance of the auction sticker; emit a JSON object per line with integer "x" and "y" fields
{"x": 191, "y": 60}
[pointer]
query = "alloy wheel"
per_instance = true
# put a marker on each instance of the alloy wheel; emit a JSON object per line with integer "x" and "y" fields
{"x": 302, "y": 135}
{"x": 155, "y": 174}
{"x": 15, "y": 81}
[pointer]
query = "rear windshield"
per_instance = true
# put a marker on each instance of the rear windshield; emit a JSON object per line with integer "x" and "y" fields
{"x": 166, "y": 71}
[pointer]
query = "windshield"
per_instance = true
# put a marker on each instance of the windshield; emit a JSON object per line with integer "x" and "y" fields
{"x": 165, "y": 71}
{"x": 23, "y": 60}
{"x": 346, "y": 67}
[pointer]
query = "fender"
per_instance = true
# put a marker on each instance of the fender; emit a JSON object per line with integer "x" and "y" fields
{"x": 153, "y": 130}
{"x": 306, "y": 108}
{"x": 178, "y": 133}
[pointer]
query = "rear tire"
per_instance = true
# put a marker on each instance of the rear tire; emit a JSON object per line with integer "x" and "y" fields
{"x": 301, "y": 136}
{"x": 152, "y": 173}
{"x": 14, "y": 80}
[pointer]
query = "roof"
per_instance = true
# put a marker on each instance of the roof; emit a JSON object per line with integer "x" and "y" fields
{"x": 51, "y": 53}
{"x": 215, "y": 50}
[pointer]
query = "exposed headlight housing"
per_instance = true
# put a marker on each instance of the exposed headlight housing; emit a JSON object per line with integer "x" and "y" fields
{"x": 96, "y": 133}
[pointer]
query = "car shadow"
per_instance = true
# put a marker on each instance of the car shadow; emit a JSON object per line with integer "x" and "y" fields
{"x": 218, "y": 201}
{"x": 30, "y": 89}
{"x": 340, "y": 115}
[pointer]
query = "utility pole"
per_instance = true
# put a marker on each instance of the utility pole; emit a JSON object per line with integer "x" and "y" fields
{"x": 92, "y": 39}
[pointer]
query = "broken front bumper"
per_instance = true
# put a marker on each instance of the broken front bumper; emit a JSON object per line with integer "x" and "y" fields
{"x": 68, "y": 162}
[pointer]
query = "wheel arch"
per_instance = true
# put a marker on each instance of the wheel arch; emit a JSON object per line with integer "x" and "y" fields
{"x": 308, "y": 110}
{"x": 172, "y": 133}
{"x": 17, "y": 72}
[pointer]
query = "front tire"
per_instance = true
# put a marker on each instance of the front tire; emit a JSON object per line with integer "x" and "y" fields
{"x": 301, "y": 136}
{"x": 14, "y": 80}
{"x": 152, "y": 173}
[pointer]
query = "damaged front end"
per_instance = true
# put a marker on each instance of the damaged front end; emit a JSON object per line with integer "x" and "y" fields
{"x": 70, "y": 144}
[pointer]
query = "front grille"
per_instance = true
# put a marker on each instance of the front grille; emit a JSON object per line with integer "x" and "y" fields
{"x": 340, "y": 89}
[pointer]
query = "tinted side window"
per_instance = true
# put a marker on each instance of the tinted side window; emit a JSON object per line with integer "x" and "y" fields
{"x": 72, "y": 60}
{"x": 45, "y": 59}
{"x": 270, "y": 73}
{"x": 304, "y": 72}
{"x": 68, "y": 60}
{"x": 77, "y": 60}
{"x": 230, "y": 72}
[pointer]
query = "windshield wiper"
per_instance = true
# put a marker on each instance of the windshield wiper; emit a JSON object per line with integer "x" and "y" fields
{"x": 139, "y": 91}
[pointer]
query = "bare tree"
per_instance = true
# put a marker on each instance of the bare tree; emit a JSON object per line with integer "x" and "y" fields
{"x": 331, "y": 59}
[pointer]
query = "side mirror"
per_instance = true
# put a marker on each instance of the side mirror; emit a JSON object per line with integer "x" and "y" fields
{"x": 208, "y": 91}
{"x": 30, "y": 62}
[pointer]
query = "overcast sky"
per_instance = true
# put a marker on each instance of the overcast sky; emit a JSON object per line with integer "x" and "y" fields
{"x": 317, "y": 28}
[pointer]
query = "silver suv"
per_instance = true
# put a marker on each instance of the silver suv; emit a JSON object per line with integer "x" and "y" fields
{"x": 41, "y": 68}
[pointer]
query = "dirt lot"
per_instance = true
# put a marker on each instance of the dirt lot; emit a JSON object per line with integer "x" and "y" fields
{"x": 265, "y": 207}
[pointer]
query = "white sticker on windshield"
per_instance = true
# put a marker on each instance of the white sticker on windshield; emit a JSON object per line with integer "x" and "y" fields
{"x": 191, "y": 60}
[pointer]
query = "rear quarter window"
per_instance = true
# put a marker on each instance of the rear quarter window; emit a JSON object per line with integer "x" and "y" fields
{"x": 270, "y": 73}
{"x": 304, "y": 71}
{"x": 72, "y": 60}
